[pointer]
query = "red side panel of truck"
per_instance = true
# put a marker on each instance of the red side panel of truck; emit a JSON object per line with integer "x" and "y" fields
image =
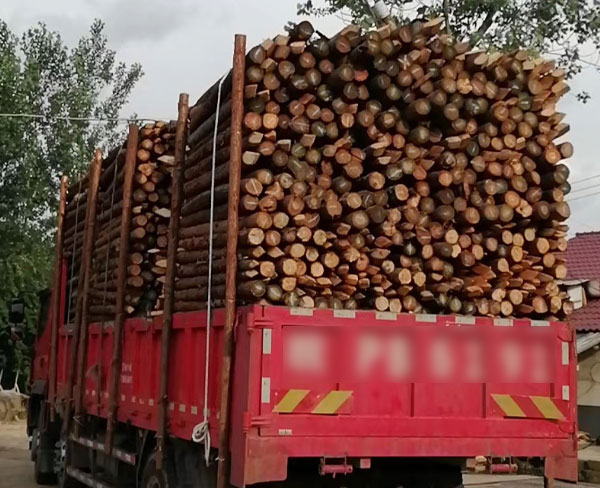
{"x": 346, "y": 384}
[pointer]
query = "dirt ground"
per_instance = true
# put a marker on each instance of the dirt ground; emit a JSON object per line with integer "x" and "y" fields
{"x": 16, "y": 469}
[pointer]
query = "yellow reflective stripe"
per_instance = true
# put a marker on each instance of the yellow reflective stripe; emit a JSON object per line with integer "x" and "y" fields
{"x": 547, "y": 407}
{"x": 290, "y": 401}
{"x": 332, "y": 402}
{"x": 508, "y": 405}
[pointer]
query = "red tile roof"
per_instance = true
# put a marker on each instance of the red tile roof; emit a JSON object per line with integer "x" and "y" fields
{"x": 583, "y": 263}
{"x": 588, "y": 317}
{"x": 583, "y": 256}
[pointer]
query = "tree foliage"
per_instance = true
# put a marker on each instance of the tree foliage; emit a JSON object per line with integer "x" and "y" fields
{"x": 42, "y": 76}
{"x": 568, "y": 30}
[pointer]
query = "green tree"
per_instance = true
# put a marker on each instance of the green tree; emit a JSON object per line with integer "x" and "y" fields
{"x": 568, "y": 30}
{"x": 63, "y": 87}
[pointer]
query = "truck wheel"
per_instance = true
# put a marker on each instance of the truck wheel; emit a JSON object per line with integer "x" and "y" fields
{"x": 43, "y": 467}
{"x": 152, "y": 477}
{"x": 35, "y": 443}
{"x": 450, "y": 480}
{"x": 64, "y": 456}
{"x": 42, "y": 478}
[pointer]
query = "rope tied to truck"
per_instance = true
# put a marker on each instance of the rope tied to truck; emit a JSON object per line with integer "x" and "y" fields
{"x": 201, "y": 432}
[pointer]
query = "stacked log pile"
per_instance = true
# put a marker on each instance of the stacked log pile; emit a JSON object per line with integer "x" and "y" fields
{"x": 73, "y": 232}
{"x": 149, "y": 223}
{"x": 105, "y": 250}
{"x": 394, "y": 170}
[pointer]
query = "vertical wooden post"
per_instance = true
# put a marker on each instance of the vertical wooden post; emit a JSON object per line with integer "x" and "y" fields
{"x": 167, "y": 324}
{"x": 56, "y": 293}
{"x": 115, "y": 365}
{"x": 83, "y": 284}
{"x": 235, "y": 170}
{"x": 87, "y": 262}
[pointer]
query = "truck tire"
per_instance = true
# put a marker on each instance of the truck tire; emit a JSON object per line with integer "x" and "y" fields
{"x": 152, "y": 477}
{"x": 43, "y": 451}
{"x": 451, "y": 479}
{"x": 42, "y": 478}
{"x": 43, "y": 466}
{"x": 64, "y": 456}
{"x": 35, "y": 443}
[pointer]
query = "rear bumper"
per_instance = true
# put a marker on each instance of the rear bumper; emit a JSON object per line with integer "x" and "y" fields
{"x": 267, "y": 458}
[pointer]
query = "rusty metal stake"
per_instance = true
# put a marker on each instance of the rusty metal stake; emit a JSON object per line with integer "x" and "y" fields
{"x": 167, "y": 323}
{"x": 83, "y": 285}
{"x": 115, "y": 364}
{"x": 235, "y": 169}
{"x": 56, "y": 293}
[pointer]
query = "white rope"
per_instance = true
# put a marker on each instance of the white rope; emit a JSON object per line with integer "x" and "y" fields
{"x": 201, "y": 433}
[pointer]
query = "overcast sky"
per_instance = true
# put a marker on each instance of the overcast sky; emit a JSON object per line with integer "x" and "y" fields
{"x": 185, "y": 45}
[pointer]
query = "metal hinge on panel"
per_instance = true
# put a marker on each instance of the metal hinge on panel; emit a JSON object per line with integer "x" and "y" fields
{"x": 259, "y": 324}
{"x": 260, "y": 421}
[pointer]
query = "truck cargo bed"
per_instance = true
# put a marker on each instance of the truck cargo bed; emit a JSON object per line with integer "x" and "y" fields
{"x": 351, "y": 384}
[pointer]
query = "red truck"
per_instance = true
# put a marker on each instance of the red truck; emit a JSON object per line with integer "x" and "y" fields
{"x": 322, "y": 392}
{"x": 290, "y": 396}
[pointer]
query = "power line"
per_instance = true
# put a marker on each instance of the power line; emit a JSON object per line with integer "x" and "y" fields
{"x": 591, "y": 187}
{"x": 584, "y": 196}
{"x": 584, "y": 180}
{"x": 81, "y": 119}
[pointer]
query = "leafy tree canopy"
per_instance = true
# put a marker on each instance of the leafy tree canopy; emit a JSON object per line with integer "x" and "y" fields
{"x": 42, "y": 76}
{"x": 569, "y": 30}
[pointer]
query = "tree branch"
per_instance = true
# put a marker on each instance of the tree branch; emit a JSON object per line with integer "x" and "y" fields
{"x": 447, "y": 15}
{"x": 483, "y": 28}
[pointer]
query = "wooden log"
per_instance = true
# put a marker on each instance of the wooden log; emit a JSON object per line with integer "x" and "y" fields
{"x": 206, "y": 105}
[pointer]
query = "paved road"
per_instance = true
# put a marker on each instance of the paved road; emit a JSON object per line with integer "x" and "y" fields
{"x": 510, "y": 481}
{"x": 16, "y": 468}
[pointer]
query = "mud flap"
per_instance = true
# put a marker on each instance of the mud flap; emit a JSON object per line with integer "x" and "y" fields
{"x": 263, "y": 462}
{"x": 561, "y": 467}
